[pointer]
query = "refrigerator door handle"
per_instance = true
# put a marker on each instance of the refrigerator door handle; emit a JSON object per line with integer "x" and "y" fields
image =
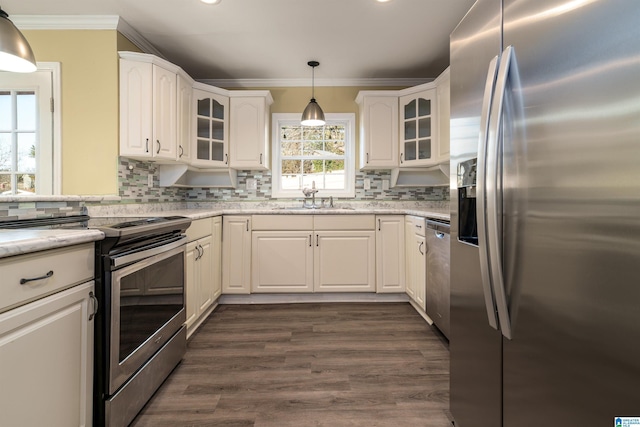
{"x": 489, "y": 299}
{"x": 493, "y": 199}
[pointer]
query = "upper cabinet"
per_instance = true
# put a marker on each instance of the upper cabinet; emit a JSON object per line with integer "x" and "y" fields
{"x": 418, "y": 128}
{"x": 249, "y": 129}
{"x": 378, "y": 129}
{"x": 211, "y": 117}
{"x": 184, "y": 117}
{"x": 148, "y": 108}
{"x": 408, "y": 128}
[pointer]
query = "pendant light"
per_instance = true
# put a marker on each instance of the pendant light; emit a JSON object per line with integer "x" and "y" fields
{"x": 312, "y": 115}
{"x": 15, "y": 53}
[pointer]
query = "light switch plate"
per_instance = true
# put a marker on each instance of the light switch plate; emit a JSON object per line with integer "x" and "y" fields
{"x": 252, "y": 184}
{"x": 367, "y": 184}
{"x": 150, "y": 180}
{"x": 385, "y": 184}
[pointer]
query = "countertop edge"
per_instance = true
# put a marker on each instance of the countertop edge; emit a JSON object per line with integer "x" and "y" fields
{"x": 20, "y": 242}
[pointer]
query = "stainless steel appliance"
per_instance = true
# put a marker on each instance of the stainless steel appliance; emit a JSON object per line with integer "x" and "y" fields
{"x": 140, "y": 333}
{"x": 438, "y": 250}
{"x": 545, "y": 219}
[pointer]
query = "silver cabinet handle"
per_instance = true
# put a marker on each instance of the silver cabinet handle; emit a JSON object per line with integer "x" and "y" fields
{"x": 310, "y": 240}
{"x": 94, "y": 301}
{"x": 317, "y": 243}
{"x": 200, "y": 250}
{"x": 420, "y": 248}
{"x": 260, "y": 158}
{"x": 367, "y": 157}
{"x": 379, "y": 224}
{"x": 158, "y": 141}
{"x": 181, "y": 151}
{"x": 247, "y": 225}
{"x": 481, "y": 198}
{"x": 46, "y": 276}
{"x": 146, "y": 146}
{"x": 401, "y": 157}
{"x": 226, "y": 157}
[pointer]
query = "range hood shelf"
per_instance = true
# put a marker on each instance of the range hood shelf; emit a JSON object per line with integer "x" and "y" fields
{"x": 187, "y": 176}
{"x": 434, "y": 176}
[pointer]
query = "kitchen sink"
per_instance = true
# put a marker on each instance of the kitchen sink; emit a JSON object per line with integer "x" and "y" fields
{"x": 300, "y": 208}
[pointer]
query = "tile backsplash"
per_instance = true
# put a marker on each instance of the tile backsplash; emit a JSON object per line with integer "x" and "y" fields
{"x": 133, "y": 179}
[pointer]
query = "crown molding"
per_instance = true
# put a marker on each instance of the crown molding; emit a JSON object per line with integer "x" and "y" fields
{"x": 85, "y": 22}
{"x": 371, "y": 82}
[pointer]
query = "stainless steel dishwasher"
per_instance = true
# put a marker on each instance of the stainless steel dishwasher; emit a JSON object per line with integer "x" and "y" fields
{"x": 438, "y": 288}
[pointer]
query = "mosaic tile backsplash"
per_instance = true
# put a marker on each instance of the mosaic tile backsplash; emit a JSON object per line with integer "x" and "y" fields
{"x": 133, "y": 178}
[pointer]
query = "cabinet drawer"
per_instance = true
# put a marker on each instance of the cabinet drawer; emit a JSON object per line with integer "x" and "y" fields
{"x": 70, "y": 266}
{"x": 199, "y": 228}
{"x": 418, "y": 224}
{"x": 344, "y": 222}
{"x": 282, "y": 222}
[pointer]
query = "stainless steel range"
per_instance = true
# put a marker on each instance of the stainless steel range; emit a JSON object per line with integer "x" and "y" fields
{"x": 140, "y": 334}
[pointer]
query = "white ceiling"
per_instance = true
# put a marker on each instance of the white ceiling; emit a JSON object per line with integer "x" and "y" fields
{"x": 274, "y": 39}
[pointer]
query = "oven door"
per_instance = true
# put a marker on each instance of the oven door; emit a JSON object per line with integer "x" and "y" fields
{"x": 147, "y": 309}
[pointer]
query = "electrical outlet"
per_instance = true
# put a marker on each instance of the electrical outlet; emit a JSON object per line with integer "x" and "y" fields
{"x": 385, "y": 184}
{"x": 367, "y": 184}
{"x": 150, "y": 180}
{"x": 252, "y": 184}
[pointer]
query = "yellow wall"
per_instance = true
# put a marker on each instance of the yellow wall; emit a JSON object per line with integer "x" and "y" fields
{"x": 89, "y": 72}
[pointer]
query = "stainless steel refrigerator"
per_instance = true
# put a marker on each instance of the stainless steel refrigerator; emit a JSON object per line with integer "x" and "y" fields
{"x": 545, "y": 213}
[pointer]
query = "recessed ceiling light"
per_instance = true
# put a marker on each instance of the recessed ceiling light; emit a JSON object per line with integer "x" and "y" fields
{"x": 211, "y": 1}
{"x": 383, "y": 1}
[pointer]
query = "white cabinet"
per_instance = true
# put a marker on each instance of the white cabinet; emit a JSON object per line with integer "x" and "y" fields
{"x": 148, "y": 108}
{"x": 249, "y": 129}
{"x": 211, "y": 128}
{"x": 418, "y": 128}
{"x": 378, "y": 129}
{"x": 390, "y": 257}
{"x": 46, "y": 345}
{"x": 184, "y": 117}
{"x": 443, "y": 85}
{"x": 216, "y": 254}
{"x": 415, "y": 254}
{"x": 236, "y": 255}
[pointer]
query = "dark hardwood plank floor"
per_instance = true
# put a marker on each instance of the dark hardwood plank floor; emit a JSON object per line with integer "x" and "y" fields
{"x": 329, "y": 364}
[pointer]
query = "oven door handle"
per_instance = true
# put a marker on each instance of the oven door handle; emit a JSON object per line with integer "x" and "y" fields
{"x": 137, "y": 256}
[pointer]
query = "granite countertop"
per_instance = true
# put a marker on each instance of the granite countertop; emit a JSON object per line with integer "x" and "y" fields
{"x": 17, "y": 242}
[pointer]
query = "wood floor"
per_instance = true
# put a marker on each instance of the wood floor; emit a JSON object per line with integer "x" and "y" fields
{"x": 329, "y": 364}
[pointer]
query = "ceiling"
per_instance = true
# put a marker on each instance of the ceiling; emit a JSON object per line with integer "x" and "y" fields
{"x": 274, "y": 39}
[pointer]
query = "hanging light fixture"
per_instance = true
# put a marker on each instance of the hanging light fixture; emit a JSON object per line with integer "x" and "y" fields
{"x": 15, "y": 53}
{"x": 312, "y": 115}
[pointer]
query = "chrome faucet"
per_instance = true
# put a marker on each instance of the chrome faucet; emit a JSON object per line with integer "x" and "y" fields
{"x": 310, "y": 192}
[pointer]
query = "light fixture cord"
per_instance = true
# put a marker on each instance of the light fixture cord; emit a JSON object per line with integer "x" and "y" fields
{"x": 313, "y": 82}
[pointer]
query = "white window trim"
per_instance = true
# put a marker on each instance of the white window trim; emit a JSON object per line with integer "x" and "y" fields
{"x": 350, "y": 165}
{"x": 54, "y": 68}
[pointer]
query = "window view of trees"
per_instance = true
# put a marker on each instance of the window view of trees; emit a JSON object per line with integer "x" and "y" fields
{"x": 312, "y": 154}
{"x": 17, "y": 142}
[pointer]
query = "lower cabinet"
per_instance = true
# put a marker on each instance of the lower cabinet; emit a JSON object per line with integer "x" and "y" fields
{"x": 202, "y": 269}
{"x": 46, "y": 361}
{"x": 390, "y": 256}
{"x": 416, "y": 261}
{"x": 236, "y": 255}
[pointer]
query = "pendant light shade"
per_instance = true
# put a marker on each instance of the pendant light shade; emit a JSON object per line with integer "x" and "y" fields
{"x": 313, "y": 114}
{"x": 15, "y": 53}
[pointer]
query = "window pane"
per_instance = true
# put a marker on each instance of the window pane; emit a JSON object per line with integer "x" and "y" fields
{"x": 290, "y": 133}
{"x": 313, "y": 133}
{"x": 308, "y": 180}
{"x": 410, "y": 110}
{"x": 27, "y": 183}
{"x": 290, "y": 167}
{"x": 291, "y": 174}
{"x": 424, "y": 130}
{"x": 203, "y": 128}
{"x": 313, "y": 149}
{"x": 424, "y": 149}
{"x": 204, "y": 107}
{"x": 26, "y": 152}
{"x": 335, "y": 148}
{"x": 410, "y": 130}
{"x": 203, "y": 150}
{"x": 26, "y": 110}
{"x": 424, "y": 107}
{"x": 5, "y": 110}
{"x": 410, "y": 150}
{"x": 335, "y": 132}
{"x": 217, "y": 129}
{"x": 334, "y": 181}
{"x": 5, "y": 184}
{"x": 5, "y": 152}
{"x": 291, "y": 148}
{"x": 217, "y": 151}
{"x": 334, "y": 166}
{"x": 218, "y": 110}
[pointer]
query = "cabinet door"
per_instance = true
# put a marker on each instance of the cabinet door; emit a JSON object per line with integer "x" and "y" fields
{"x": 390, "y": 257}
{"x": 216, "y": 257}
{"x": 410, "y": 258}
{"x": 344, "y": 261}
{"x": 236, "y": 255}
{"x": 184, "y": 114}
{"x": 164, "y": 114}
{"x": 379, "y": 132}
{"x": 211, "y": 129}
{"x": 248, "y": 134}
{"x": 282, "y": 261}
{"x": 46, "y": 368}
{"x": 192, "y": 283}
{"x": 205, "y": 266}
{"x": 136, "y": 94}
{"x": 444, "y": 115}
{"x": 420, "y": 271}
{"x": 418, "y": 129}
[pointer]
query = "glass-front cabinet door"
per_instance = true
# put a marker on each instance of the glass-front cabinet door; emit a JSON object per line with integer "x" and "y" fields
{"x": 417, "y": 129}
{"x": 211, "y": 129}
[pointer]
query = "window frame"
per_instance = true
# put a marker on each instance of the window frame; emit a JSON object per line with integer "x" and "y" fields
{"x": 348, "y": 120}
